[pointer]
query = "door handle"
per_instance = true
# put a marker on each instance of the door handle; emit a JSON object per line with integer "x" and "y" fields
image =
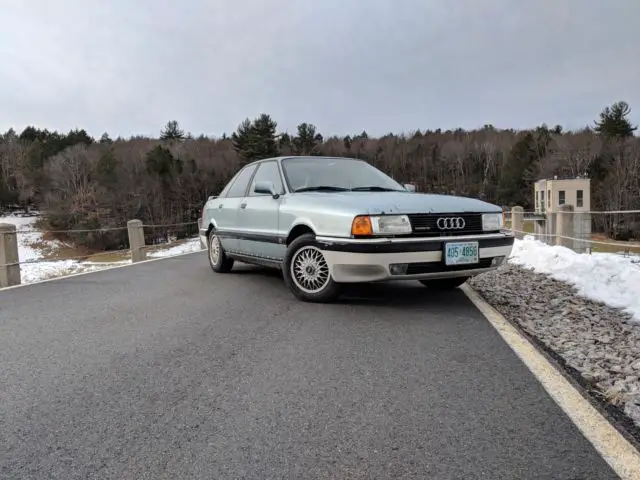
{"x": 243, "y": 205}
{"x": 219, "y": 206}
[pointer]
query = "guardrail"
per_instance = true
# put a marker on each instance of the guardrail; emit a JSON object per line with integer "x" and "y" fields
{"x": 10, "y": 262}
{"x": 573, "y": 229}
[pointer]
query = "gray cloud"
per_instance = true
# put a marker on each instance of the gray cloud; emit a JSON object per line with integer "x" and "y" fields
{"x": 346, "y": 65}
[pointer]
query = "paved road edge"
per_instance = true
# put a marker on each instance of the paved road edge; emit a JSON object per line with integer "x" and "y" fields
{"x": 105, "y": 269}
{"x": 616, "y": 450}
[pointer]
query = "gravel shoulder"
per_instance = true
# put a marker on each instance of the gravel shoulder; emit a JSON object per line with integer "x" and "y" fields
{"x": 598, "y": 346}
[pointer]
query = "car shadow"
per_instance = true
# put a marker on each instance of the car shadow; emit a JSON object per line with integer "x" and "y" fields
{"x": 399, "y": 294}
{"x": 247, "y": 269}
{"x": 389, "y": 294}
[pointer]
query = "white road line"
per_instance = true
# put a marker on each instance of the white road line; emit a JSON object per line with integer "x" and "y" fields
{"x": 617, "y": 451}
{"x": 64, "y": 277}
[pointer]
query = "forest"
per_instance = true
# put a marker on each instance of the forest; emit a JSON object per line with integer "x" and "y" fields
{"x": 79, "y": 182}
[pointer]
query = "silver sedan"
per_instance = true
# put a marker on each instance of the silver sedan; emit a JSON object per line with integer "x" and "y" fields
{"x": 328, "y": 221}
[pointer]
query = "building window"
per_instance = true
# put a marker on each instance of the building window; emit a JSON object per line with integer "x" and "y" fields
{"x": 561, "y": 197}
{"x": 549, "y": 198}
{"x": 579, "y": 199}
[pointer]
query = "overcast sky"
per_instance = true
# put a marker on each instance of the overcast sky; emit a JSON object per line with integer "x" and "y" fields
{"x": 128, "y": 66}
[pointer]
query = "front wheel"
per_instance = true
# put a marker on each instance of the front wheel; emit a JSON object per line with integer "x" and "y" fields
{"x": 306, "y": 272}
{"x": 218, "y": 259}
{"x": 444, "y": 283}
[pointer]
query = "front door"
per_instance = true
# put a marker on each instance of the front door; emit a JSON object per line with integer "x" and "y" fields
{"x": 258, "y": 229}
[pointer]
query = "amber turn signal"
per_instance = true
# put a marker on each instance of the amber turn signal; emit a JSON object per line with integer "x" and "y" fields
{"x": 361, "y": 225}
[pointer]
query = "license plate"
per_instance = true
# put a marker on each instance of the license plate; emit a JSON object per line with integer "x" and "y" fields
{"x": 462, "y": 253}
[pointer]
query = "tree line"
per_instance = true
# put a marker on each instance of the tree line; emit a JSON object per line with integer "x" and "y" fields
{"x": 84, "y": 183}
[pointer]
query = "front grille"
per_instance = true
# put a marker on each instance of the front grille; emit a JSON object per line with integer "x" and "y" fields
{"x": 426, "y": 224}
{"x": 433, "y": 267}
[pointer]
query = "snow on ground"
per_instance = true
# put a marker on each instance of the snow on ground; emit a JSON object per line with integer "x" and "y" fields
{"x": 603, "y": 277}
{"x": 191, "y": 245}
{"x": 32, "y": 247}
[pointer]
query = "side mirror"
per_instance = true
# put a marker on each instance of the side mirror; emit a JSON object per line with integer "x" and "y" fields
{"x": 265, "y": 187}
{"x": 410, "y": 187}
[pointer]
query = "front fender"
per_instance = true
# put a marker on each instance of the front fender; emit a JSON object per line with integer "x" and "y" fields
{"x": 302, "y": 222}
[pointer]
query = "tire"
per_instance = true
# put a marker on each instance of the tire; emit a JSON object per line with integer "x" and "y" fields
{"x": 444, "y": 283}
{"x": 219, "y": 262}
{"x": 301, "y": 251}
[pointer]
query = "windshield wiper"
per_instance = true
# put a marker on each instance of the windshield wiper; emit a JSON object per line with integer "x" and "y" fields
{"x": 374, "y": 188}
{"x": 321, "y": 188}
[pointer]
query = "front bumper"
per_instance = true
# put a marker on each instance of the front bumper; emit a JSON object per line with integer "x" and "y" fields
{"x": 202, "y": 234}
{"x": 369, "y": 260}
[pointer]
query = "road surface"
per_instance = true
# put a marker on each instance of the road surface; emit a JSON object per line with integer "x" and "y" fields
{"x": 166, "y": 370}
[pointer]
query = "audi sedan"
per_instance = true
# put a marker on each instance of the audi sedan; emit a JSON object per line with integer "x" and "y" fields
{"x": 327, "y": 221}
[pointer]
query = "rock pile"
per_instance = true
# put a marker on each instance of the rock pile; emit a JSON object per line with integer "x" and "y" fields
{"x": 600, "y": 342}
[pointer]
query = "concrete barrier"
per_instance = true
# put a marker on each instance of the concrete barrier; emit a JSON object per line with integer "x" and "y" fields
{"x": 517, "y": 221}
{"x": 136, "y": 240}
{"x": 564, "y": 226}
{"x": 9, "y": 258}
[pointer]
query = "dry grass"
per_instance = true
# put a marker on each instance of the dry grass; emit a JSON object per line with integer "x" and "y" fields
{"x": 53, "y": 249}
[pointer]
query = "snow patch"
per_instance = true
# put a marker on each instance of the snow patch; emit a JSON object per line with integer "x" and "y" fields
{"x": 608, "y": 278}
{"x": 191, "y": 245}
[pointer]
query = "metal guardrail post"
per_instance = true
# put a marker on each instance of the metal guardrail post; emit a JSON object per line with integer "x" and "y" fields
{"x": 9, "y": 258}
{"x": 136, "y": 240}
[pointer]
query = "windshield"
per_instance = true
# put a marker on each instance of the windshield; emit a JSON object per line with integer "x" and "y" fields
{"x": 339, "y": 174}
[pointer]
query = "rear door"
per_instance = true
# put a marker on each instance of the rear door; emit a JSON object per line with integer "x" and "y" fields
{"x": 226, "y": 208}
{"x": 258, "y": 216}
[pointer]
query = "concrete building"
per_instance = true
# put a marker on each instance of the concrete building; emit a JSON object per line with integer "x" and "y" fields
{"x": 551, "y": 194}
{"x": 549, "y": 197}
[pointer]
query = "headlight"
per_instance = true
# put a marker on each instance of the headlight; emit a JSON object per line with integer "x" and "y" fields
{"x": 491, "y": 221}
{"x": 381, "y": 225}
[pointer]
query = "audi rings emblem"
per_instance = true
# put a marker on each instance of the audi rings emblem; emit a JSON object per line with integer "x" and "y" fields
{"x": 450, "y": 223}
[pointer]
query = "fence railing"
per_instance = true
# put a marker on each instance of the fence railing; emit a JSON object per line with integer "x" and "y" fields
{"x": 615, "y": 231}
{"x": 10, "y": 261}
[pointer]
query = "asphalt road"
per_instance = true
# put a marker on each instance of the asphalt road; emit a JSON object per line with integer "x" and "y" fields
{"x": 167, "y": 371}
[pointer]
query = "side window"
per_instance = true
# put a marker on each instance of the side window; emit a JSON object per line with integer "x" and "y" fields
{"x": 226, "y": 188}
{"x": 267, "y": 171}
{"x": 240, "y": 184}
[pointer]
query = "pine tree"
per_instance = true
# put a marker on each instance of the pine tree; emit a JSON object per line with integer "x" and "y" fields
{"x": 264, "y": 137}
{"x": 307, "y": 140}
{"x": 256, "y": 140}
{"x": 614, "y": 122}
{"x": 172, "y": 131}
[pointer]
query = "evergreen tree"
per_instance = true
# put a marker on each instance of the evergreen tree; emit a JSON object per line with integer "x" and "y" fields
{"x": 264, "y": 137}
{"x": 241, "y": 139}
{"x": 106, "y": 169}
{"x": 161, "y": 162}
{"x": 256, "y": 140}
{"x": 614, "y": 122}
{"x": 521, "y": 171}
{"x": 307, "y": 140}
{"x": 172, "y": 131}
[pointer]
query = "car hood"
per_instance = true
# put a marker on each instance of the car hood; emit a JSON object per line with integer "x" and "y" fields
{"x": 398, "y": 202}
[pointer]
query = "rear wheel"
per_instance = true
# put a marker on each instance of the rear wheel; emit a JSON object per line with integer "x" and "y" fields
{"x": 306, "y": 272}
{"x": 444, "y": 283}
{"x": 218, "y": 259}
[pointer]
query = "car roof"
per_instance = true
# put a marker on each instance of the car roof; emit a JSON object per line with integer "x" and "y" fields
{"x": 299, "y": 157}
